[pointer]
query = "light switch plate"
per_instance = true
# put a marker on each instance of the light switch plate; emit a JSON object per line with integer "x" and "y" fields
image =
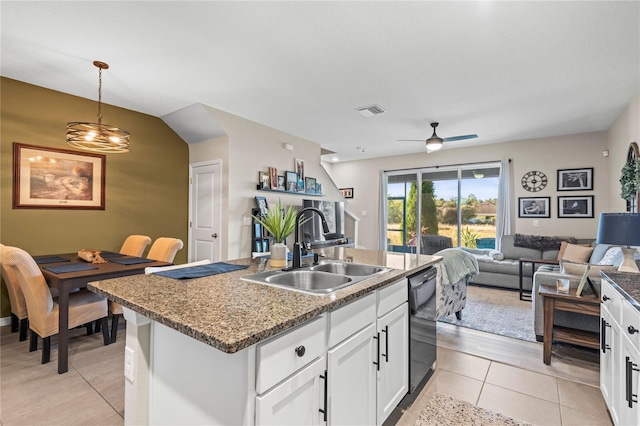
{"x": 247, "y": 220}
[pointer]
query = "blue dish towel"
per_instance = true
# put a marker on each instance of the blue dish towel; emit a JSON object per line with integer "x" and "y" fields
{"x": 110, "y": 254}
{"x": 49, "y": 259}
{"x": 72, "y": 267}
{"x": 131, "y": 260}
{"x": 201, "y": 270}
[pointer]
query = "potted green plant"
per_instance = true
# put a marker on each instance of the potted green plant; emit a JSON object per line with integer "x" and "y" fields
{"x": 280, "y": 224}
{"x": 630, "y": 180}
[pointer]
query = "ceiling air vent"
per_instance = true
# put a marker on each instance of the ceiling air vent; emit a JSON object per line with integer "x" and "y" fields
{"x": 371, "y": 110}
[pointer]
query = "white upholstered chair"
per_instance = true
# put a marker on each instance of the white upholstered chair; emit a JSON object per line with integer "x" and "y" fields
{"x": 85, "y": 307}
{"x": 134, "y": 245}
{"x": 19, "y": 317}
{"x": 163, "y": 249}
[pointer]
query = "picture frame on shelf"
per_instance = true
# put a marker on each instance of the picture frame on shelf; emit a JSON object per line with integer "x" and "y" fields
{"x": 273, "y": 177}
{"x": 310, "y": 185}
{"x": 281, "y": 183}
{"x": 299, "y": 167}
{"x": 575, "y": 179}
{"x": 291, "y": 181}
{"x": 51, "y": 178}
{"x": 536, "y": 207}
{"x": 347, "y": 192}
{"x": 575, "y": 207}
{"x": 264, "y": 180}
{"x": 261, "y": 204}
{"x": 318, "y": 188}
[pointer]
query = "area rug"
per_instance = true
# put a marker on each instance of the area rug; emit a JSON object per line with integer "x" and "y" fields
{"x": 496, "y": 311}
{"x": 443, "y": 410}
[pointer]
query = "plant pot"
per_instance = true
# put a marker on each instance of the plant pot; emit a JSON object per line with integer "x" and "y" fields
{"x": 278, "y": 255}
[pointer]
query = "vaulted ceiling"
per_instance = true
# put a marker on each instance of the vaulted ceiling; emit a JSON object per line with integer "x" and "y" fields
{"x": 503, "y": 70}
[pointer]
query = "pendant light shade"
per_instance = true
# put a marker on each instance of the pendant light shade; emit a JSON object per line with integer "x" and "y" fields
{"x": 98, "y": 137}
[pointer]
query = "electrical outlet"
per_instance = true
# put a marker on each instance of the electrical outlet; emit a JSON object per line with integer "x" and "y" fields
{"x": 247, "y": 220}
{"x": 536, "y": 224}
{"x": 128, "y": 364}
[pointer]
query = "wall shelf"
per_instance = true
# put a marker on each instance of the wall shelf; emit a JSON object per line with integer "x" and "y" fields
{"x": 289, "y": 192}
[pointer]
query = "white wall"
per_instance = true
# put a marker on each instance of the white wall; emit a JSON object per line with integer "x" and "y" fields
{"x": 546, "y": 155}
{"x": 250, "y": 148}
{"x": 625, "y": 130}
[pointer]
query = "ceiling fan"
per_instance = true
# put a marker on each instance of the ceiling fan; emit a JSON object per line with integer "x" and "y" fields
{"x": 434, "y": 143}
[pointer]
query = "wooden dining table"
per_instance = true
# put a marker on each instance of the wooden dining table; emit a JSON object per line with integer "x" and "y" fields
{"x": 67, "y": 281}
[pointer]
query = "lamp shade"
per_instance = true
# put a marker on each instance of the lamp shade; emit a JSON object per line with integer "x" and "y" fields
{"x": 620, "y": 229}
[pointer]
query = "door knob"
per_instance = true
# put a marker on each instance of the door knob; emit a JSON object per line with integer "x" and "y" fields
{"x": 214, "y": 235}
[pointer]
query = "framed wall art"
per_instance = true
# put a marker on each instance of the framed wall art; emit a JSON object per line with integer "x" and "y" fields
{"x": 291, "y": 181}
{"x": 51, "y": 178}
{"x": 310, "y": 185}
{"x": 575, "y": 207}
{"x": 261, "y": 204}
{"x": 575, "y": 179}
{"x": 300, "y": 173}
{"x": 347, "y": 192}
{"x": 265, "y": 180}
{"x": 273, "y": 177}
{"x": 281, "y": 183}
{"x": 539, "y": 207}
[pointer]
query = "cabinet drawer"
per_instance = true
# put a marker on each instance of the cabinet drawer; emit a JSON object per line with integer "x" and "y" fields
{"x": 631, "y": 321}
{"x": 392, "y": 296}
{"x": 613, "y": 302}
{"x": 351, "y": 318}
{"x": 277, "y": 359}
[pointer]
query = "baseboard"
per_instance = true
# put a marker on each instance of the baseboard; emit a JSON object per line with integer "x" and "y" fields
{"x": 5, "y": 321}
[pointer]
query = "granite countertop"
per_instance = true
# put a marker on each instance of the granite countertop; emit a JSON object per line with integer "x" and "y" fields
{"x": 231, "y": 314}
{"x": 627, "y": 284}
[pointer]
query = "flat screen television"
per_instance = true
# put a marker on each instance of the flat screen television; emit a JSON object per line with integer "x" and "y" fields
{"x": 334, "y": 215}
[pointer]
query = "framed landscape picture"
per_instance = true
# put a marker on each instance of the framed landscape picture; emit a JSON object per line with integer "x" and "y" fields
{"x": 51, "y": 178}
{"x": 575, "y": 207}
{"x": 291, "y": 181}
{"x": 575, "y": 179}
{"x": 310, "y": 185}
{"x": 539, "y": 207}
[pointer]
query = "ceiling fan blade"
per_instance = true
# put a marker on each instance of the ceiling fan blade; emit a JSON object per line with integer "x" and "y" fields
{"x": 459, "y": 138}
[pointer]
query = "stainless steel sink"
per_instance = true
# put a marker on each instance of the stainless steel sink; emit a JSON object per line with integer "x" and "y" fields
{"x": 321, "y": 279}
{"x": 347, "y": 268}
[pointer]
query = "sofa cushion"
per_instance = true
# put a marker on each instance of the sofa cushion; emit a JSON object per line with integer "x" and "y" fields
{"x": 577, "y": 253}
{"x": 613, "y": 256}
{"x": 512, "y": 252}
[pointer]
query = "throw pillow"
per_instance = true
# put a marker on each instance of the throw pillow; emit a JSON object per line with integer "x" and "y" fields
{"x": 563, "y": 248}
{"x": 572, "y": 268}
{"x": 613, "y": 256}
{"x": 576, "y": 253}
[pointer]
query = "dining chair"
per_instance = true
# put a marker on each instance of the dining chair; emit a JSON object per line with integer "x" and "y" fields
{"x": 134, "y": 245}
{"x": 85, "y": 307}
{"x": 163, "y": 249}
{"x": 19, "y": 317}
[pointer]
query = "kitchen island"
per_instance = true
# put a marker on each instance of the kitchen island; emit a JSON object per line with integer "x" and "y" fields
{"x": 207, "y": 349}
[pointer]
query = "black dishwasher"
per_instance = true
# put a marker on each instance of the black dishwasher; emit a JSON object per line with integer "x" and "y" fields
{"x": 422, "y": 328}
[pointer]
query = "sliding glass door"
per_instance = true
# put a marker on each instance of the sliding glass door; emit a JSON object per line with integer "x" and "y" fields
{"x": 429, "y": 209}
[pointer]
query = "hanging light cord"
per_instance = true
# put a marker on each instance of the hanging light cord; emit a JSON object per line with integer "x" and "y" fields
{"x": 99, "y": 94}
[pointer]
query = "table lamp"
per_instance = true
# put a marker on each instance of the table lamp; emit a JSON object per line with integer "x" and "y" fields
{"x": 621, "y": 229}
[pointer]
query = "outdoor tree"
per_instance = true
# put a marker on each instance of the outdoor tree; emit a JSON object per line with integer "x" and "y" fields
{"x": 429, "y": 215}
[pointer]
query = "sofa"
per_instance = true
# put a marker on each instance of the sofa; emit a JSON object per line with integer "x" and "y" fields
{"x": 502, "y": 268}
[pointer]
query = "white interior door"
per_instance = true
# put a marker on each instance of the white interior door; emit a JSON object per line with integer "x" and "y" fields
{"x": 205, "y": 199}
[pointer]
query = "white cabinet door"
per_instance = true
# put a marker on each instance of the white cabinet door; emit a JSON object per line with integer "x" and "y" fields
{"x": 629, "y": 413}
{"x": 393, "y": 371}
{"x": 296, "y": 401}
{"x": 352, "y": 380}
{"x": 610, "y": 360}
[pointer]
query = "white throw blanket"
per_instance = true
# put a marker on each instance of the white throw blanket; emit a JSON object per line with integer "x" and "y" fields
{"x": 458, "y": 264}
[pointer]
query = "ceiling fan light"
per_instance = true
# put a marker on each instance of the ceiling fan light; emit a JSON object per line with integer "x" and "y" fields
{"x": 478, "y": 175}
{"x": 434, "y": 143}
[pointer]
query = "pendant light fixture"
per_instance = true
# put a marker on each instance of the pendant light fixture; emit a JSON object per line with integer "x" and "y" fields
{"x": 98, "y": 137}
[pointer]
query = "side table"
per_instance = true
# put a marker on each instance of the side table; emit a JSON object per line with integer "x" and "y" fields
{"x": 554, "y": 301}
{"x": 533, "y": 262}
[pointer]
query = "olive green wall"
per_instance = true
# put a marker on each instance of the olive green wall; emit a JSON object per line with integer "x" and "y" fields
{"x": 146, "y": 189}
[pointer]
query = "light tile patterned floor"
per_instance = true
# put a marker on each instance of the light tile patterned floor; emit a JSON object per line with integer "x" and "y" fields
{"x": 92, "y": 392}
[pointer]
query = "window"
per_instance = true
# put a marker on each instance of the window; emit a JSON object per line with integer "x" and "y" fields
{"x": 456, "y": 206}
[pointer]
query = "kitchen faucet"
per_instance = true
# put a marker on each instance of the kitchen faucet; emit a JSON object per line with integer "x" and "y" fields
{"x": 297, "y": 247}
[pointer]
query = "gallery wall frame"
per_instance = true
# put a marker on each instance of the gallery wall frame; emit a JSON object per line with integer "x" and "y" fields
{"x": 580, "y": 206}
{"x": 536, "y": 207}
{"x": 52, "y": 178}
{"x": 575, "y": 179}
{"x": 347, "y": 192}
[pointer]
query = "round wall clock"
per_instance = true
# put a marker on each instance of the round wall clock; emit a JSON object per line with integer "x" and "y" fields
{"x": 534, "y": 181}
